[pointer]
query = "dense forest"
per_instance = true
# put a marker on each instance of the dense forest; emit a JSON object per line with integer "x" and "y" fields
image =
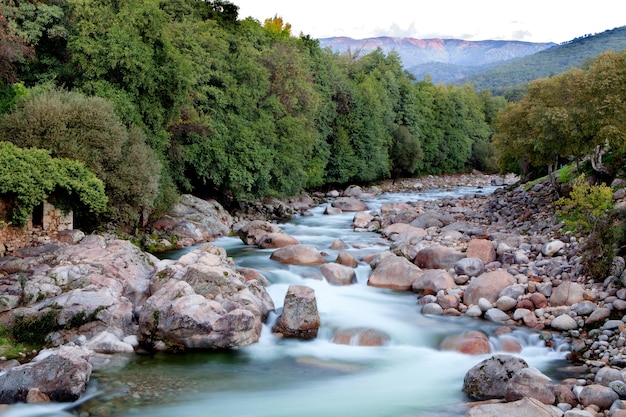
{"x": 158, "y": 98}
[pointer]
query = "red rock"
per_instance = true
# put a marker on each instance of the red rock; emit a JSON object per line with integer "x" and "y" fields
{"x": 470, "y": 343}
{"x": 482, "y": 249}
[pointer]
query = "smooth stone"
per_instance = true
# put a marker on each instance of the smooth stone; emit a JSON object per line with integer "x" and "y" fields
{"x": 564, "y": 322}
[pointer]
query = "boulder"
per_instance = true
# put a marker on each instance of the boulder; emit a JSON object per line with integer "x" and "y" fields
{"x": 469, "y": 266}
{"x": 508, "y": 377}
{"x": 361, "y": 220}
{"x": 482, "y": 249}
{"x": 344, "y": 258}
{"x": 564, "y": 322}
{"x": 568, "y": 293}
{"x": 525, "y": 407}
{"x": 487, "y": 285}
{"x": 276, "y": 240}
{"x": 195, "y": 219}
{"x": 349, "y": 204}
{"x": 598, "y": 395}
{"x": 470, "y": 343}
{"x": 394, "y": 272}
{"x": 300, "y": 254}
{"x": 402, "y": 232}
{"x": 438, "y": 257}
{"x": 432, "y": 281}
{"x": 337, "y": 274}
{"x": 253, "y": 231}
{"x": 299, "y": 318}
{"x": 551, "y": 248}
{"x": 60, "y": 374}
{"x": 361, "y": 336}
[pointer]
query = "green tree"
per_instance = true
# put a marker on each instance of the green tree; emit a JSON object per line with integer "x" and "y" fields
{"x": 86, "y": 129}
{"x": 28, "y": 176}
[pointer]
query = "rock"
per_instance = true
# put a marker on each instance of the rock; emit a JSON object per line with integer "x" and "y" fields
{"x": 509, "y": 344}
{"x": 300, "y": 254}
{"x": 394, "y": 272}
{"x": 402, "y": 232}
{"x": 487, "y": 285}
{"x": 346, "y": 259}
{"x": 551, "y": 248}
{"x": 276, "y": 240}
{"x": 506, "y": 376}
{"x": 474, "y": 311}
{"x": 539, "y": 300}
{"x": 564, "y": 322}
{"x": 361, "y": 220}
{"x": 107, "y": 342}
{"x": 433, "y": 309}
{"x": 506, "y": 303}
{"x": 195, "y": 219}
{"x": 578, "y": 413}
{"x": 437, "y": 257}
{"x": 598, "y": 395}
{"x": 349, "y": 204}
{"x": 525, "y": 407}
{"x": 432, "y": 281}
{"x": 337, "y": 274}
{"x": 299, "y": 318}
{"x": 35, "y": 396}
{"x": 598, "y": 315}
{"x": 568, "y": 293}
{"x": 60, "y": 374}
{"x": 619, "y": 386}
{"x": 253, "y": 231}
{"x": 482, "y": 249}
{"x": 361, "y": 336}
{"x": 470, "y": 343}
{"x": 469, "y": 266}
{"x": 332, "y": 211}
{"x": 606, "y": 375}
{"x": 496, "y": 315}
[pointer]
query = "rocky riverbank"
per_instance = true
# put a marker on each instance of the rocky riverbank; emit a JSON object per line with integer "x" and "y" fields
{"x": 501, "y": 257}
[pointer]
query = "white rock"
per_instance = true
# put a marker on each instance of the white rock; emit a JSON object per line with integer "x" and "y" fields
{"x": 564, "y": 322}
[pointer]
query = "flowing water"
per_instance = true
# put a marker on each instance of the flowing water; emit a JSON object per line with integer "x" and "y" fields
{"x": 407, "y": 377}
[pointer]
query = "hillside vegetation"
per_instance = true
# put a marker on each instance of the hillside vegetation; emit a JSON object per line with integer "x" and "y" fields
{"x": 555, "y": 60}
{"x": 161, "y": 97}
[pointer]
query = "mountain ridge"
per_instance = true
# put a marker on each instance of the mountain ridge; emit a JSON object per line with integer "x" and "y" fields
{"x": 458, "y": 58}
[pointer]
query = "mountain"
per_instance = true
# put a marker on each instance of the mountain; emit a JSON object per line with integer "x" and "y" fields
{"x": 445, "y": 60}
{"x": 551, "y": 61}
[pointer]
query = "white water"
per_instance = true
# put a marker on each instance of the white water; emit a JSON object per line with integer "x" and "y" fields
{"x": 408, "y": 377}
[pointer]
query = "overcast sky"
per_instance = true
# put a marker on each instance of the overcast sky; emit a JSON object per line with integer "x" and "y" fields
{"x": 527, "y": 20}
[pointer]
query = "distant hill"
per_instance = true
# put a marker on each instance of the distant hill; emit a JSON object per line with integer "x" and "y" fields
{"x": 548, "y": 62}
{"x": 445, "y": 60}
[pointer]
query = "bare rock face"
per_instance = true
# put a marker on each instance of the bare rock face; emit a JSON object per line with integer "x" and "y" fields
{"x": 300, "y": 318}
{"x": 394, "y": 272}
{"x": 300, "y": 254}
{"x": 195, "y": 220}
{"x": 202, "y": 302}
{"x": 60, "y": 374}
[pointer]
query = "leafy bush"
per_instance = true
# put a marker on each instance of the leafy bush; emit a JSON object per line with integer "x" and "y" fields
{"x": 28, "y": 176}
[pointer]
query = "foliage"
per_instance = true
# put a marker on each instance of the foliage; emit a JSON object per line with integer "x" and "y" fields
{"x": 34, "y": 330}
{"x": 86, "y": 129}
{"x": 28, "y": 176}
{"x": 546, "y": 63}
{"x": 585, "y": 204}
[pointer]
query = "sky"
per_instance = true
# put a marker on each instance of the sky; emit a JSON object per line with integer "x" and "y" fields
{"x": 524, "y": 20}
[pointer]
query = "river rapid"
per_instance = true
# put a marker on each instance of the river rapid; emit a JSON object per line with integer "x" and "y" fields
{"x": 407, "y": 377}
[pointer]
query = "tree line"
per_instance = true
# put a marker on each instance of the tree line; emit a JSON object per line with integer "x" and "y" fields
{"x": 159, "y": 97}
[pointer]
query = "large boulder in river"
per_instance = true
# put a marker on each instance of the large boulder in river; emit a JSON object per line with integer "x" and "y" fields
{"x": 253, "y": 231}
{"x": 300, "y": 254}
{"x": 60, "y": 374}
{"x": 202, "y": 302}
{"x": 507, "y": 377}
{"x": 337, "y": 274}
{"x": 488, "y": 286}
{"x": 299, "y": 318}
{"x": 394, "y": 272}
{"x": 276, "y": 240}
{"x": 349, "y": 204}
{"x": 470, "y": 343}
{"x": 195, "y": 220}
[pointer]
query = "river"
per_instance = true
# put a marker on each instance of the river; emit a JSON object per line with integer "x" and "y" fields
{"x": 407, "y": 377}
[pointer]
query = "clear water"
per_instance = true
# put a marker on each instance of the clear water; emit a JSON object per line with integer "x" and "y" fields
{"x": 407, "y": 377}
